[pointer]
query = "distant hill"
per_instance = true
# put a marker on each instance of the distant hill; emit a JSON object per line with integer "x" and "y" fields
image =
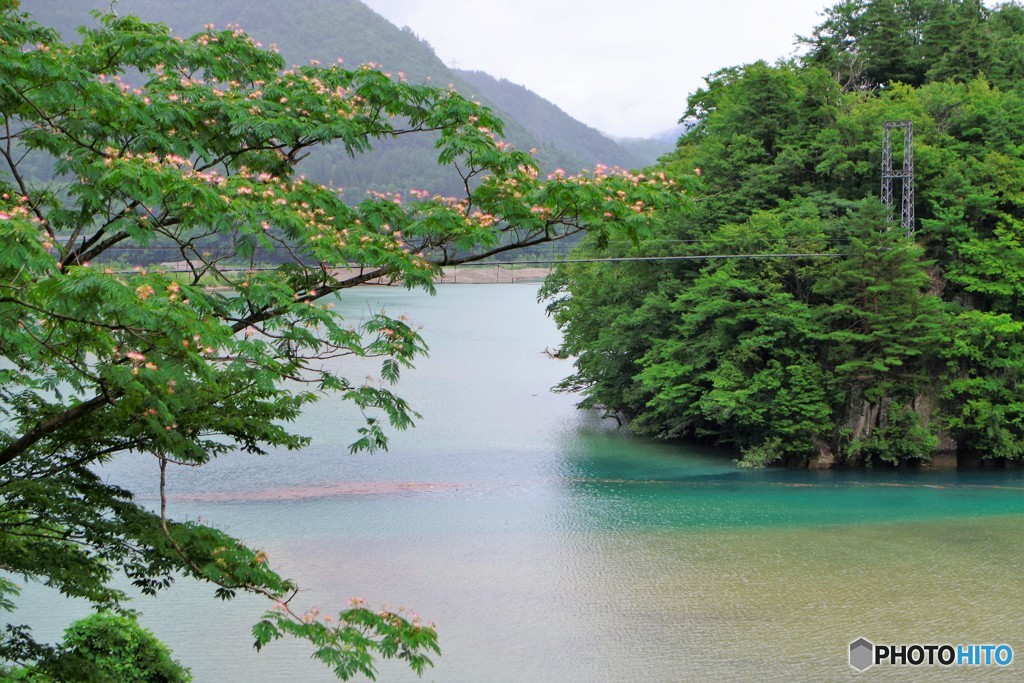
{"x": 549, "y": 124}
{"x": 304, "y": 30}
{"x": 648, "y": 148}
{"x": 657, "y": 145}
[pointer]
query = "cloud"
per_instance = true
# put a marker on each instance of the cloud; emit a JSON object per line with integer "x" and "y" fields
{"x": 623, "y": 68}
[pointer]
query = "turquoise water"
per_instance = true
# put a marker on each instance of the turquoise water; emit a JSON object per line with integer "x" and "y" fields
{"x": 549, "y": 545}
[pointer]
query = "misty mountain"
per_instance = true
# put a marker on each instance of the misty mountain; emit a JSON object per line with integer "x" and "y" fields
{"x": 325, "y": 30}
{"x": 549, "y": 124}
{"x": 658, "y": 144}
{"x": 648, "y": 148}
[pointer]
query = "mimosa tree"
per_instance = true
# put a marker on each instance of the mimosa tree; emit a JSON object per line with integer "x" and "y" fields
{"x": 134, "y": 137}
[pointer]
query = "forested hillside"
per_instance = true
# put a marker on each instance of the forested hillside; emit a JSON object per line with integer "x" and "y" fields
{"x": 327, "y": 29}
{"x": 885, "y": 347}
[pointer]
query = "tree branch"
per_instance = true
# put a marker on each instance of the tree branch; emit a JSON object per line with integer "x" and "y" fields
{"x": 53, "y": 424}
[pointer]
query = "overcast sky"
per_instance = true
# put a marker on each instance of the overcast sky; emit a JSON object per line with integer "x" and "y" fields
{"x": 624, "y": 67}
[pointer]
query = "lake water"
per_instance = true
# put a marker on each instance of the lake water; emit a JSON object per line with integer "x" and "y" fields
{"x": 548, "y": 545}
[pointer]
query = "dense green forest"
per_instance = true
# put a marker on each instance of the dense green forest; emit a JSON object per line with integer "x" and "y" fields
{"x": 889, "y": 347}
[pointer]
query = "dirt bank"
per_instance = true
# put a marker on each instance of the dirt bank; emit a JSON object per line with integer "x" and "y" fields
{"x": 473, "y": 275}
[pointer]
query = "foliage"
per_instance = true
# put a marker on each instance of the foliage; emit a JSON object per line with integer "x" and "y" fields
{"x": 330, "y": 29}
{"x": 106, "y": 648}
{"x": 882, "y": 348}
{"x": 150, "y": 138}
{"x": 867, "y": 44}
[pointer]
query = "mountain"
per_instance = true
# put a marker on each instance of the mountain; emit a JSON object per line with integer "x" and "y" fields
{"x": 324, "y": 30}
{"x": 303, "y": 30}
{"x": 549, "y": 124}
{"x": 648, "y": 148}
{"x": 658, "y": 144}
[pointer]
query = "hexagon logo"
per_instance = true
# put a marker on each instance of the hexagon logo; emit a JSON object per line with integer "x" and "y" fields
{"x": 862, "y": 654}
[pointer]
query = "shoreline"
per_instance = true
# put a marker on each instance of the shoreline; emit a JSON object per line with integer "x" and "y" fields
{"x": 466, "y": 274}
{"x": 491, "y": 274}
{"x": 472, "y": 274}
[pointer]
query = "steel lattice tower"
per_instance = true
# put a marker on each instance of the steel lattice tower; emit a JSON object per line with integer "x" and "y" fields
{"x": 906, "y": 176}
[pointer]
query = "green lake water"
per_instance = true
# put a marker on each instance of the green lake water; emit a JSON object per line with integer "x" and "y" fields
{"x": 548, "y": 545}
